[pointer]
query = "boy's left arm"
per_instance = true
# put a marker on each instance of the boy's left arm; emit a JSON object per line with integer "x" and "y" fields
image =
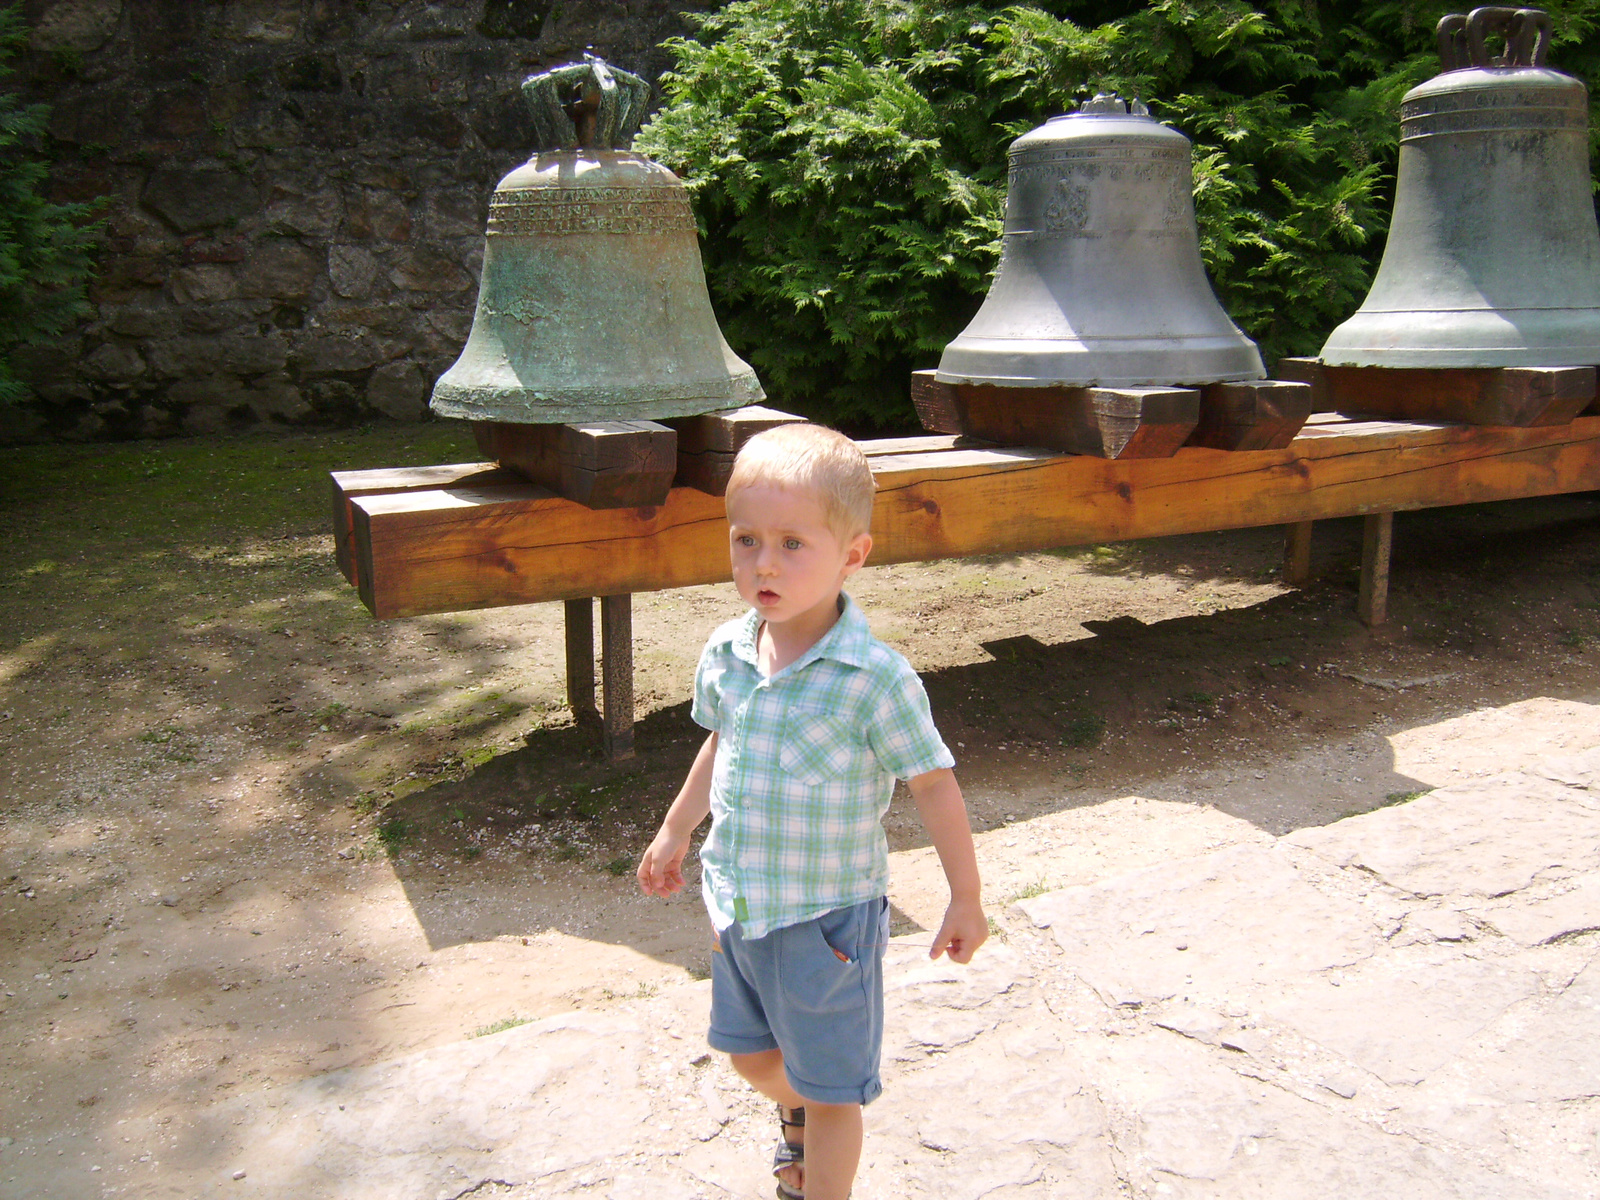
{"x": 944, "y": 816}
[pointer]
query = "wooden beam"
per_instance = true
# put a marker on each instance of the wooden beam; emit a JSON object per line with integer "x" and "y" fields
{"x": 1297, "y": 553}
{"x": 580, "y": 657}
{"x": 600, "y": 464}
{"x": 935, "y": 403}
{"x": 708, "y": 443}
{"x": 1254, "y": 414}
{"x": 1307, "y": 371}
{"x": 1372, "y": 606}
{"x": 616, "y": 664}
{"x": 1120, "y": 423}
{"x": 1516, "y": 396}
{"x": 349, "y": 484}
{"x": 463, "y": 548}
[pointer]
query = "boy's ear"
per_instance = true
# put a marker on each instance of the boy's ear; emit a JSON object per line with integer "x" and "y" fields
{"x": 855, "y": 555}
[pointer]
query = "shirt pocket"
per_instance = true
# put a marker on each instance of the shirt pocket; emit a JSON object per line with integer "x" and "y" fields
{"x": 818, "y": 745}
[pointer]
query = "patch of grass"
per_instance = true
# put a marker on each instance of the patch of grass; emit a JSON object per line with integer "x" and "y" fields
{"x": 643, "y": 992}
{"x": 619, "y": 866}
{"x": 394, "y": 832}
{"x": 329, "y": 711}
{"x": 1199, "y": 699}
{"x": 1279, "y": 660}
{"x": 565, "y": 851}
{"x": 365, "y": 803}
{"x": 1394, "y": 798}
{"x": 158, "y": 737}
{"x": 471, "y": 852}
{"x": 500, "y": 1026}
{"x": 1029, "y": 890}
{"x": 1573, "y": 639}
{"x": 1083, "y": 730}
{"x": 602, "y": 796}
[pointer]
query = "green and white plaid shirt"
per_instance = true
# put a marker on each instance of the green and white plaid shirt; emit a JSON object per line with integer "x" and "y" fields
{"x": 806, "y": 763}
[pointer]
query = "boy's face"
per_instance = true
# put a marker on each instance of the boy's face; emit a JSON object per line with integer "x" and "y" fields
{"x": 788, "y": 564}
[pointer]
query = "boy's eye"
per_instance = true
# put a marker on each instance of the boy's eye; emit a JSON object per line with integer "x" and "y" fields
{"x": 744, "y": 539}
{"x": 791, "y": 543}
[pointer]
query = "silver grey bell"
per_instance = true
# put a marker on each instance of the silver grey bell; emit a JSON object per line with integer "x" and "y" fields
{"x": 1100, "y": 281}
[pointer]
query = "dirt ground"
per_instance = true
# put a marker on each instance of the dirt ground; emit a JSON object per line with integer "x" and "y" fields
{"x": 249, "y": 835}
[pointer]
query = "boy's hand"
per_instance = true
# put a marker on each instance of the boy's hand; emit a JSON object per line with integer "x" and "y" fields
{"x": 965, "y": 928}
{"x": 661, "y": 868}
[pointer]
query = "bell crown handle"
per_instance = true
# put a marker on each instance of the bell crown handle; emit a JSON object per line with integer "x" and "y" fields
{"x": 1111, "y": 104}
{"x": 591, "y": 104}
{"x": 1463, "y": 39}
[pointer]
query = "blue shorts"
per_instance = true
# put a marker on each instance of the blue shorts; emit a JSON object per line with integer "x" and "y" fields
{"x": 812, "y": 990}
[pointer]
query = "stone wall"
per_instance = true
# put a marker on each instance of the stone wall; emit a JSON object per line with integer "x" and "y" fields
{"x": 297, "y": 194}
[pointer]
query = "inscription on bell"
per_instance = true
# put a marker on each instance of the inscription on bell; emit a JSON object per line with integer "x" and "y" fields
{"x": 1068, "y": 211}
{"x": 1488, "y": 121}
{"x": 553, "y": 212}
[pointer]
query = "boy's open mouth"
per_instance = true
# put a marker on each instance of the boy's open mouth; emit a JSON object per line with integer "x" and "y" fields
{"x": 767, "y": 596}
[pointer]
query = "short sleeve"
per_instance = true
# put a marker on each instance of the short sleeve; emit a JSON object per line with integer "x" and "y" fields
{"x": 707, "y": 705}
{"x": 901, "y": 730}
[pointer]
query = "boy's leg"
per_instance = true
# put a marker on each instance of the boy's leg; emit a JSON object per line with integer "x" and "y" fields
{"x": 832, "y": 1132}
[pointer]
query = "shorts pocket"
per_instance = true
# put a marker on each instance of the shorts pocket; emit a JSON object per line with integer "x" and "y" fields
{"x": 824, "y": 974}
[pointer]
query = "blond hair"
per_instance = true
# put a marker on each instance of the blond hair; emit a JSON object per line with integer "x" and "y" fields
{"x": 815, "y": 460}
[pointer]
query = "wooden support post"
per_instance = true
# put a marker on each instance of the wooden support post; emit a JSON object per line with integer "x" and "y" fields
{"x": 1297, "y": 553}
{"x": 1377, "y": 534}
{"x": 1254, "y": 414}
{"x": 580, "y": 657}
{"x": 600, "y": 464}
{"x": 708, "y": 443}
{"x": 616, "y": 663}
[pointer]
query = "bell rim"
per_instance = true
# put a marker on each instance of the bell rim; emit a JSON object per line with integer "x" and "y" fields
{"x": 528, "y": 406}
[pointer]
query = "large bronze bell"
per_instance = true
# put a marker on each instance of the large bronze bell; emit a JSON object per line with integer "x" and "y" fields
{"x": 592, "y": 304}
{"x": 1100, "y": 281}
{"x": 1493, "y": 257}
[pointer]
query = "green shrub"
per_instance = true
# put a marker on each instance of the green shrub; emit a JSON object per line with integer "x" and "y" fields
{"x": 847, "y": 161}
{"x": 44, "y": 247}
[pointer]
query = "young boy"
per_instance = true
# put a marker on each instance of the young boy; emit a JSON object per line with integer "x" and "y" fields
{"x": 812, "y": 719}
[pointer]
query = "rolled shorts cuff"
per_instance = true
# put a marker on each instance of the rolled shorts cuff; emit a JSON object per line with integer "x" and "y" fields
{"x": 816, "y": 1093}
{"x": 729, "y": 1043}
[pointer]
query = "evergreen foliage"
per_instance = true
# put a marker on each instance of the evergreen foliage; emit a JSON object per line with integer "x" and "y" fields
{"x": 848, "y": 160}
{"x": 44, "y": 247}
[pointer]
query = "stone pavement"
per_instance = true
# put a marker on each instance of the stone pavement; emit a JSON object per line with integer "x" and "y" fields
{"x": 1401, "y": 1004}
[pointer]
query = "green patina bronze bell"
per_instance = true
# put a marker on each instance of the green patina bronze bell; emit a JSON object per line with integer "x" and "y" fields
{"x": 1493, "y": 257}
{"x": 593, "y": 302}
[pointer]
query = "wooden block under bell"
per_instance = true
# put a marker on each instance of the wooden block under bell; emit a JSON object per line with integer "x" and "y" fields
{"x": 708, "y": 443}
{"x": 935, "y": 403}
{"x": 1510, "y": 396}
{"x": 1306, "y": 370}
{"x": 1253, "y": 414}
{"x": 600, "y": 464}
{"x": 1123, "y": 422}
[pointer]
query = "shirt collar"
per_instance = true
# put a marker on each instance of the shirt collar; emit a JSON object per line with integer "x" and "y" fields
{"x": 848, "y": 642}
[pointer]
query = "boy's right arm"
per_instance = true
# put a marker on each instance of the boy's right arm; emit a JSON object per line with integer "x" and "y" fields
{"x": 661, "y": 868}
